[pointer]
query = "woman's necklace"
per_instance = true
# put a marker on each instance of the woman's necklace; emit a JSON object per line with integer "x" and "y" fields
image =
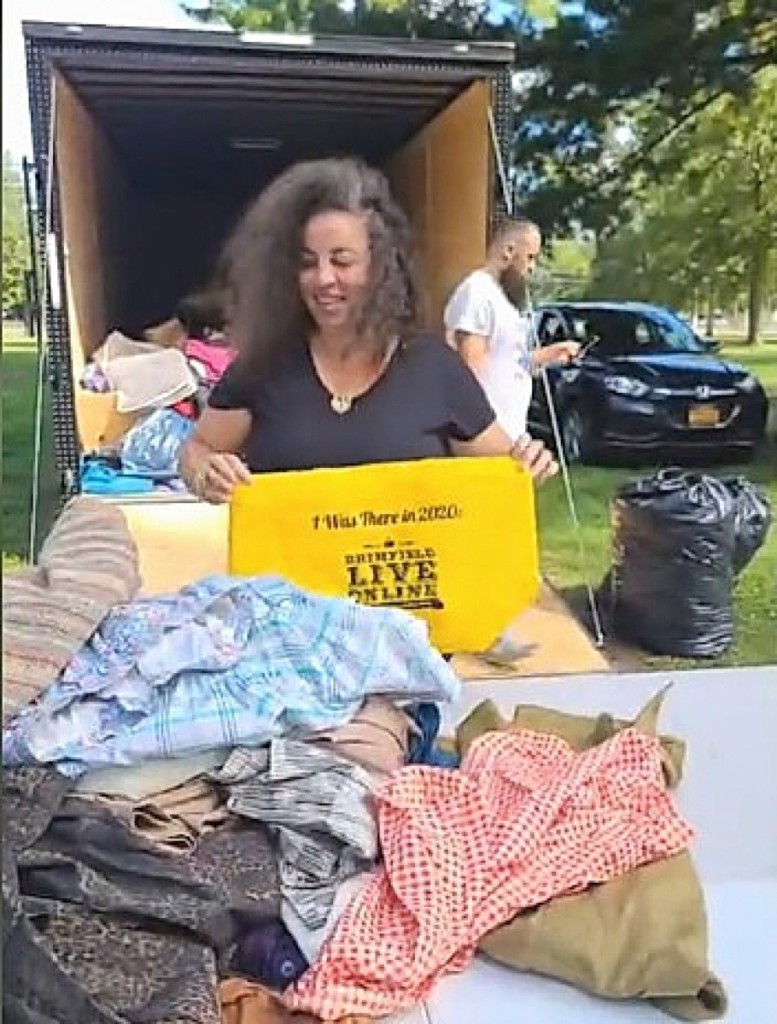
{"x": 342, "y": 403}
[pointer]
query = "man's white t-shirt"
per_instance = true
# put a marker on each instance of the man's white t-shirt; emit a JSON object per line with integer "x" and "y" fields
{"x": 479, "y": 306}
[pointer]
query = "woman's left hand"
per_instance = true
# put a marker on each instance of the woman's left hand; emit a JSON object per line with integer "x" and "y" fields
{"x": 534, "y": 457}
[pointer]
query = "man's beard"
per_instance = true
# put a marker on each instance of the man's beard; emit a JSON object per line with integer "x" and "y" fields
{"x": 515, "y": 287}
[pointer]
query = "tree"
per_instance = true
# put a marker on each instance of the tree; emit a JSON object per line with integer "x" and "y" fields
{"x": 442, "y": 19}
{"x": 15, "y": 244}
{"x": 612, "y": 81}
{"x": 706, "y": 235}
{"x": 565, "y": 272}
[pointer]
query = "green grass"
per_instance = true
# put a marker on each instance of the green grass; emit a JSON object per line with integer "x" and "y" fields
{"x": 18, "y": 372}
{"x": 593, "y": 487}
{"x": 756, "y": 596}
{"x": 760, "y": 360}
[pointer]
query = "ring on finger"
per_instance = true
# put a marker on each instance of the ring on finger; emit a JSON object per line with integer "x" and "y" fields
{"x": 201, "y": 479}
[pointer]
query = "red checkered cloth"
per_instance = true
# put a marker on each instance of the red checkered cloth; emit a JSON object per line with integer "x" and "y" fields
{"x": 524, "y": 820}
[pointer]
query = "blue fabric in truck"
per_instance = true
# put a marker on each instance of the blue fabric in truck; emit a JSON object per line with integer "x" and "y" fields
{"x": 224, "y": 662}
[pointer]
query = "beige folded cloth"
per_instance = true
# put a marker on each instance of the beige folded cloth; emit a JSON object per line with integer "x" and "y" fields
{"x": 87, "y": 565}
{"x": 152, "y": 381}
{"x": 170, "y": 334}
{"x": 118, "y": 345}
{"x": 377, "y": 737}
{"x": 145, "y": 376}
{"x": 174, "y": 818}
{"x": 142, "y": 781}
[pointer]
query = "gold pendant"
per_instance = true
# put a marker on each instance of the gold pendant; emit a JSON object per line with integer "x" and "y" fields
{"x": 341, "y": 404}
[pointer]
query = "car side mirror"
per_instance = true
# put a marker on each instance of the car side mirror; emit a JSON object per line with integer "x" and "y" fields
{"x": 712, "y": 344}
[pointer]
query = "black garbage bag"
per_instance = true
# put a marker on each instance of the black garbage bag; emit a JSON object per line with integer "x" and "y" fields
{"x": 672, "y": 580}
{"x": 752, "y": 520}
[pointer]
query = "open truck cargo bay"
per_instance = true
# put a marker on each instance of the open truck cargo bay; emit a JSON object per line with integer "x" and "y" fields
{"x": 161, "y": 137}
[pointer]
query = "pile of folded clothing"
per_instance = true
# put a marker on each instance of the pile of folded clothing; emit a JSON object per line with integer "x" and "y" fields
{"x": 159, "y": 392}
{"x": 232, "y": 803}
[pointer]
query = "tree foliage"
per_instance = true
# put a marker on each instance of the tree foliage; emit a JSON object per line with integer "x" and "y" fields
{"x": 706, "y": 235}
{"x": 565, "y": 270}
{"x": 610, "y": 85}
{"x": 429, "y": 19}
{"x": 15, "y": 244}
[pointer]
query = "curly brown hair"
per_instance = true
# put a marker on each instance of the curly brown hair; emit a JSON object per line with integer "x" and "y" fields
{"x": 267, "y": 315}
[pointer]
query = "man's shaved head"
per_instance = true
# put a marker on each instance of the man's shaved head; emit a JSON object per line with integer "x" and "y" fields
{"x": 513, "y": 231}
{"x": 512, "y": 257}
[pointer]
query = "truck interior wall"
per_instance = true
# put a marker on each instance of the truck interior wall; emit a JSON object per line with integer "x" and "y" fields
{"x": 95, "y": 200}
{"x": 442, "y": 178}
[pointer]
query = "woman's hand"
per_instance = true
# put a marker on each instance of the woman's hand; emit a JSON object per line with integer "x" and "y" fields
{"x": 216, "y": 475}
{"x": 532, "y": 455}
{"x": 207, "y": 461}
{"x": 535, "y": 458}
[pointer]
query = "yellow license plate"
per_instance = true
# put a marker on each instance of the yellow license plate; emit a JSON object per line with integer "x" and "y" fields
{"x": 703, "y": 416}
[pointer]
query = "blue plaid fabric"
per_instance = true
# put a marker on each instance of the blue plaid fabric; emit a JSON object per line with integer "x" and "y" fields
{"x": 224, "y": 662}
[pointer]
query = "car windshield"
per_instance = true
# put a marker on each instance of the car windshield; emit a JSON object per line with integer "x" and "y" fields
{"x": 673, "y": 333}
{"x": 627, "y": 332}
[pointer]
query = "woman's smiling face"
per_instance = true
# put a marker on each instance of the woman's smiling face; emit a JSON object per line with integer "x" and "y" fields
{"x": 334, "y": 269}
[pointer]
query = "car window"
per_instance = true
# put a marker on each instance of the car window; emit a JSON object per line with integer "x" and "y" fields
{"x": 642, "y": 333}
{"x": 611, "y": 332}
{"x": 625, "y": 332}
{"x": 673, "y": 334}
{"x": 552, "y": 328}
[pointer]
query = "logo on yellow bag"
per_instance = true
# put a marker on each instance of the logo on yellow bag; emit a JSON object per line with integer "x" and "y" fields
{"x": 403, "y": 575}
{"x": 451, "y": 540}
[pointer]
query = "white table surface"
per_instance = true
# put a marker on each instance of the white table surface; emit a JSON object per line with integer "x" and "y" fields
{"x": 728, "y": 717}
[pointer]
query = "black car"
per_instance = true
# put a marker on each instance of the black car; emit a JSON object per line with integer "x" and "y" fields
{"x": 645, "y": 384}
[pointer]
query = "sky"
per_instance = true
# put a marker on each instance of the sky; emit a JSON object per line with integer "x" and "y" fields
{"x": 133, "y": 13}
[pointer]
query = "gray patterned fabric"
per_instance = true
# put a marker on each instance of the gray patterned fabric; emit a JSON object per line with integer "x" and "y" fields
{"x": 320, "y": 808}
{"x": 100, "y": 928}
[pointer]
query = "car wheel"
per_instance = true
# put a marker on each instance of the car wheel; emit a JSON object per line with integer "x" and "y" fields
{"x": 575, "y": 436}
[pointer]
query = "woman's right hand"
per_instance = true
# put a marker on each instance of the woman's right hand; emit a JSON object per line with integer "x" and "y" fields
{"x": 216, "y": 475}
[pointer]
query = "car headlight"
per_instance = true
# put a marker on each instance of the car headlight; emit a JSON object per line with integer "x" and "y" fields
{"x": 626, "y": 386}
{"x": 748, "y": 383}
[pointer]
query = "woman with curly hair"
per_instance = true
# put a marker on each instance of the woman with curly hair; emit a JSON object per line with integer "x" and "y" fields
{"x": 331, "y": 370}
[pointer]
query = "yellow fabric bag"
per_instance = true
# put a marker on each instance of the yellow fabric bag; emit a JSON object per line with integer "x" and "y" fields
{"x": 451, "y": 540}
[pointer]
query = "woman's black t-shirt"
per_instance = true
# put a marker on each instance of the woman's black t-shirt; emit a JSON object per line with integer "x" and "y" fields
{"x": 426, "y": 398}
